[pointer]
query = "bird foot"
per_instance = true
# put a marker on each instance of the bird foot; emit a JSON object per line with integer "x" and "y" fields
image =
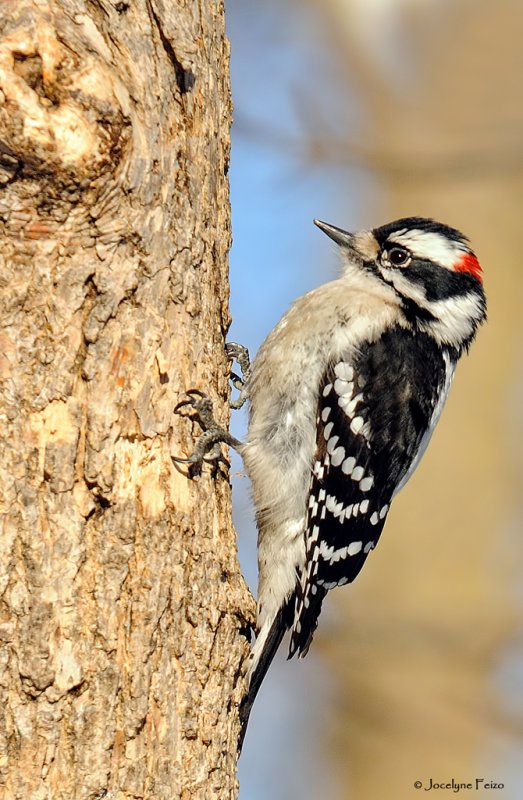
{"x": 207, "y": 449}
{"x": 240, "y": 354}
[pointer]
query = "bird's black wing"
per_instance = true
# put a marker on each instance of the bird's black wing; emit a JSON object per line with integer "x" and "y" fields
{"x": 373, "y": 414}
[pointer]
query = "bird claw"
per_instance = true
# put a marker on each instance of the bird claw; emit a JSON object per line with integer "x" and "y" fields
{"x": 240, "y": 354}
{"x": 202, "y": 405}
{"x": 207, "y": 449}
{"x": 194, "y": 396}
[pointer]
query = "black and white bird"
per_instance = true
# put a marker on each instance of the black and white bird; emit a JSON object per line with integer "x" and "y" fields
{"x": 344, "y": 395}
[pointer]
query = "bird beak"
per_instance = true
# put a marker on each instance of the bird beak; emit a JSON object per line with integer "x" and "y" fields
{"x": 341, "y": 237}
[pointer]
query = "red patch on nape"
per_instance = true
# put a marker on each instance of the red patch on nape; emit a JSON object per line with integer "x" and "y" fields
{"x": 469, "y": 263}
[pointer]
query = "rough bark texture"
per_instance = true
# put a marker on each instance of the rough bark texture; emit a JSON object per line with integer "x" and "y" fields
{"x": 121, "y": 599}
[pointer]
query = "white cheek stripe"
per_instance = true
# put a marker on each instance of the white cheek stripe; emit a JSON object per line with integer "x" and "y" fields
{"x": 430, "y": 245}
{"x": 454, "y": 317}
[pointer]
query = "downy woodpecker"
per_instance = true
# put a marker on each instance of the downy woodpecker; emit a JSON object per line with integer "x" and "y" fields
{"x": 344, "y": 395}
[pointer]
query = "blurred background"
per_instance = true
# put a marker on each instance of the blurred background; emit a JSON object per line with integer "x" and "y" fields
{"x": 359, "y": 112}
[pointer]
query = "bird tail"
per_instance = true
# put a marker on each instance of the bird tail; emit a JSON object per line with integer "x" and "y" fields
{"x": 308, "y": 608}
{"x": 263, "y": 652}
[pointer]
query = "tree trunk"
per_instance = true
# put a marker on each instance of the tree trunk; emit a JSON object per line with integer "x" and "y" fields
{"x": 122, "y": 601}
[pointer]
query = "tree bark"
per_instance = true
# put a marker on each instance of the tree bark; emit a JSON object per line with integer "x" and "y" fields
{"x": 122, "y": 604}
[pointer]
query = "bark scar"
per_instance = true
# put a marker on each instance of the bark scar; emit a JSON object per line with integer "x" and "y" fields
{"x": 47, "y": 89}
{"x": 59, "y": 127}
{"x": 185, "y": 77}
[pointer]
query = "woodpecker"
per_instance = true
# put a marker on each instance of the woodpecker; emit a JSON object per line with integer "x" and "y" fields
{"x": 344, "y": 395}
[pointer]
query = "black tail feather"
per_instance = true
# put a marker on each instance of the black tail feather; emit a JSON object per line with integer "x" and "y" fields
{"x": 306, "y": 622}
{"x": 281, "y": 623}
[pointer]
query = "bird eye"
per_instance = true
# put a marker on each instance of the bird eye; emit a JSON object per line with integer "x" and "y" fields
{"x": 398, "y": 257}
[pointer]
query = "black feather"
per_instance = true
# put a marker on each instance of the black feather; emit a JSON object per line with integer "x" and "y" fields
{"x": 281, "y": 624}
{"x": 358, "y": 466}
